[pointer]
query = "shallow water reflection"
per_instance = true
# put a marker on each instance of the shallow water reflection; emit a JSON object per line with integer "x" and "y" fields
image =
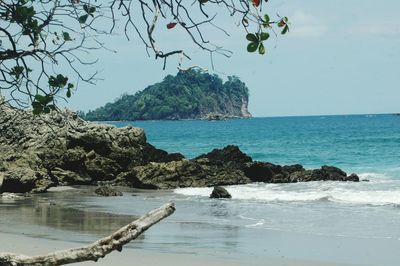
{"x": 54, "y": 212}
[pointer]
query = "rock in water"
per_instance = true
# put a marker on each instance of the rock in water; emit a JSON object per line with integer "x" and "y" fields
{"x": 355, "y": 178}
{"x": 107, "y": 191}
{"x": 220, "y": 192}
{"x": 259, "y": 172}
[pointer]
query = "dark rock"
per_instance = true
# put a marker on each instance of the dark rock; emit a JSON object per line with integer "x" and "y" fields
{"x": 102, "y": 168}
{"x": 182, "y": 173}
{"x": 293, "y": 168}
{"x": 24, "y": 180}
{"x": 66, "y": 177}
{"x": 152, "y": 154}
{"x": 333, "y": 173}
{"x": 230, "y": 156}
{"x": 280, "y": 178}
{"x": 354, "y": 178}
{"x": 259, "y": 172}
{"x": 169, "y": 175}
{"x": 130, "y": 179}
{"x": 301, "y": 176}
{"x": 220, "y": 192}
{"x": 326, "y": 173}
{"x": 107, "y": 191}
{"x": 73, "y": 159}
{"x": 276, "y": 169}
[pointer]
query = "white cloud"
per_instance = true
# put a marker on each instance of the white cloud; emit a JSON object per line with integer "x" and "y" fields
{"x": 385, "y": 26}
{"x": 306, "y": 25}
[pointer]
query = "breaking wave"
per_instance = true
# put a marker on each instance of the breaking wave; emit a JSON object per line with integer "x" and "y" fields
{"x": 378, "y": 191}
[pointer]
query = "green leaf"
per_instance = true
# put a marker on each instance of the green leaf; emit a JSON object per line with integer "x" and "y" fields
{"x": 86, "y": 8}
{"x": 266, "y": 19}
{"x": 17, "y": 71}
{"x": 43, "y": 100}
{"x": 66, "y": 36}
{"x": 46, "y": 110}
{"x": 252, "y": 47}
{"x": 82, "y": 19}
{"x": 285, "y": 29}
{"x": 40, "y": 98}
{"x": 37, "y": 108}
{"x": 264, "y": 36}
{"x": 58, "y": 82}
{"x": 37, "y": 111}
{"x": 92, "y": 9}
{"x": 261, "y": 49}
{"x": 36, "y": 105}
{"x": 69, "y": 94}
{"x": 251, "y": 37}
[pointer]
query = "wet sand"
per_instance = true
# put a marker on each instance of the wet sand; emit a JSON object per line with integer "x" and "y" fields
{"x": 23, "y": 244}
{"x": 43, "y": 223}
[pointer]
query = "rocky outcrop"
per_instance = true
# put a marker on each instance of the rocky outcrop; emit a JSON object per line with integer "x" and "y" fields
{"x": 220, "y": 167}
{"x": 220, "y": 193}
{"x": 37, "y": 152}
{"x": 230, "y": 156}
{"x": 271, "y": 173}
{"x": 182, "y": 173}
{"x": 244, "y": 108}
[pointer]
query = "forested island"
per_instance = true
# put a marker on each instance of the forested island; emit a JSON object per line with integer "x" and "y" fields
{"x": 191, "y": 94}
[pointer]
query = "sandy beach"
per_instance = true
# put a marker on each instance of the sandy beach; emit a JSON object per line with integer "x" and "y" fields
{"x": 200, "y": 232}
{"x": 35, "y": 246}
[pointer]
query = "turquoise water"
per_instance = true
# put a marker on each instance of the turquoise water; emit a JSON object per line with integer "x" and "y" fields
{"x": 335, "y": 221}
{"x": 357, "y": 143}
{"x": 325, "y": 221}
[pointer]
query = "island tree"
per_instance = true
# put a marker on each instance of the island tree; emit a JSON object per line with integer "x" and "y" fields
{"x": 191, "y": 94}
{"x": 44, "y": 45}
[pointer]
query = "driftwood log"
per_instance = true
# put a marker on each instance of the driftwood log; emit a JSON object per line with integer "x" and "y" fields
{"x": 96, "y": 250}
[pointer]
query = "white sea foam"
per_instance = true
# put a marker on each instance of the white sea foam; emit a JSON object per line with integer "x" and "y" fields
{"x": 373, "y": 176}
{"x": 246, "y": 218}
{"x": 259, "y": 223}
{"x": 60, "y": 188}
{"x": 372, "y": 193}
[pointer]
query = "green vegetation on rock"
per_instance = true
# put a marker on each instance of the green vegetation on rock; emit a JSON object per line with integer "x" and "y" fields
{"x": 190, "y": 94}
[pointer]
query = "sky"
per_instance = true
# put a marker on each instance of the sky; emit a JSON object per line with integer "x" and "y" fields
{"x": 340, "y": 57}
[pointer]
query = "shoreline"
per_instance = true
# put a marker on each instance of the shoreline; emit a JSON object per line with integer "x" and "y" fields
{"x": 21, "y": 244}
{"x": 57, "y": 220}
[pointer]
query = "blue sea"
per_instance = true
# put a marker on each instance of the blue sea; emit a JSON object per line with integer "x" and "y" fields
{"x": 365, "y": 144}
{"x": 350, "y": 213}
{"x": 332, "y": 222}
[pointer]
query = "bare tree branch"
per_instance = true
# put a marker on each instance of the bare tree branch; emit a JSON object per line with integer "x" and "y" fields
{"x": 96, "y": 250}
{"x": 46, "y": 44}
